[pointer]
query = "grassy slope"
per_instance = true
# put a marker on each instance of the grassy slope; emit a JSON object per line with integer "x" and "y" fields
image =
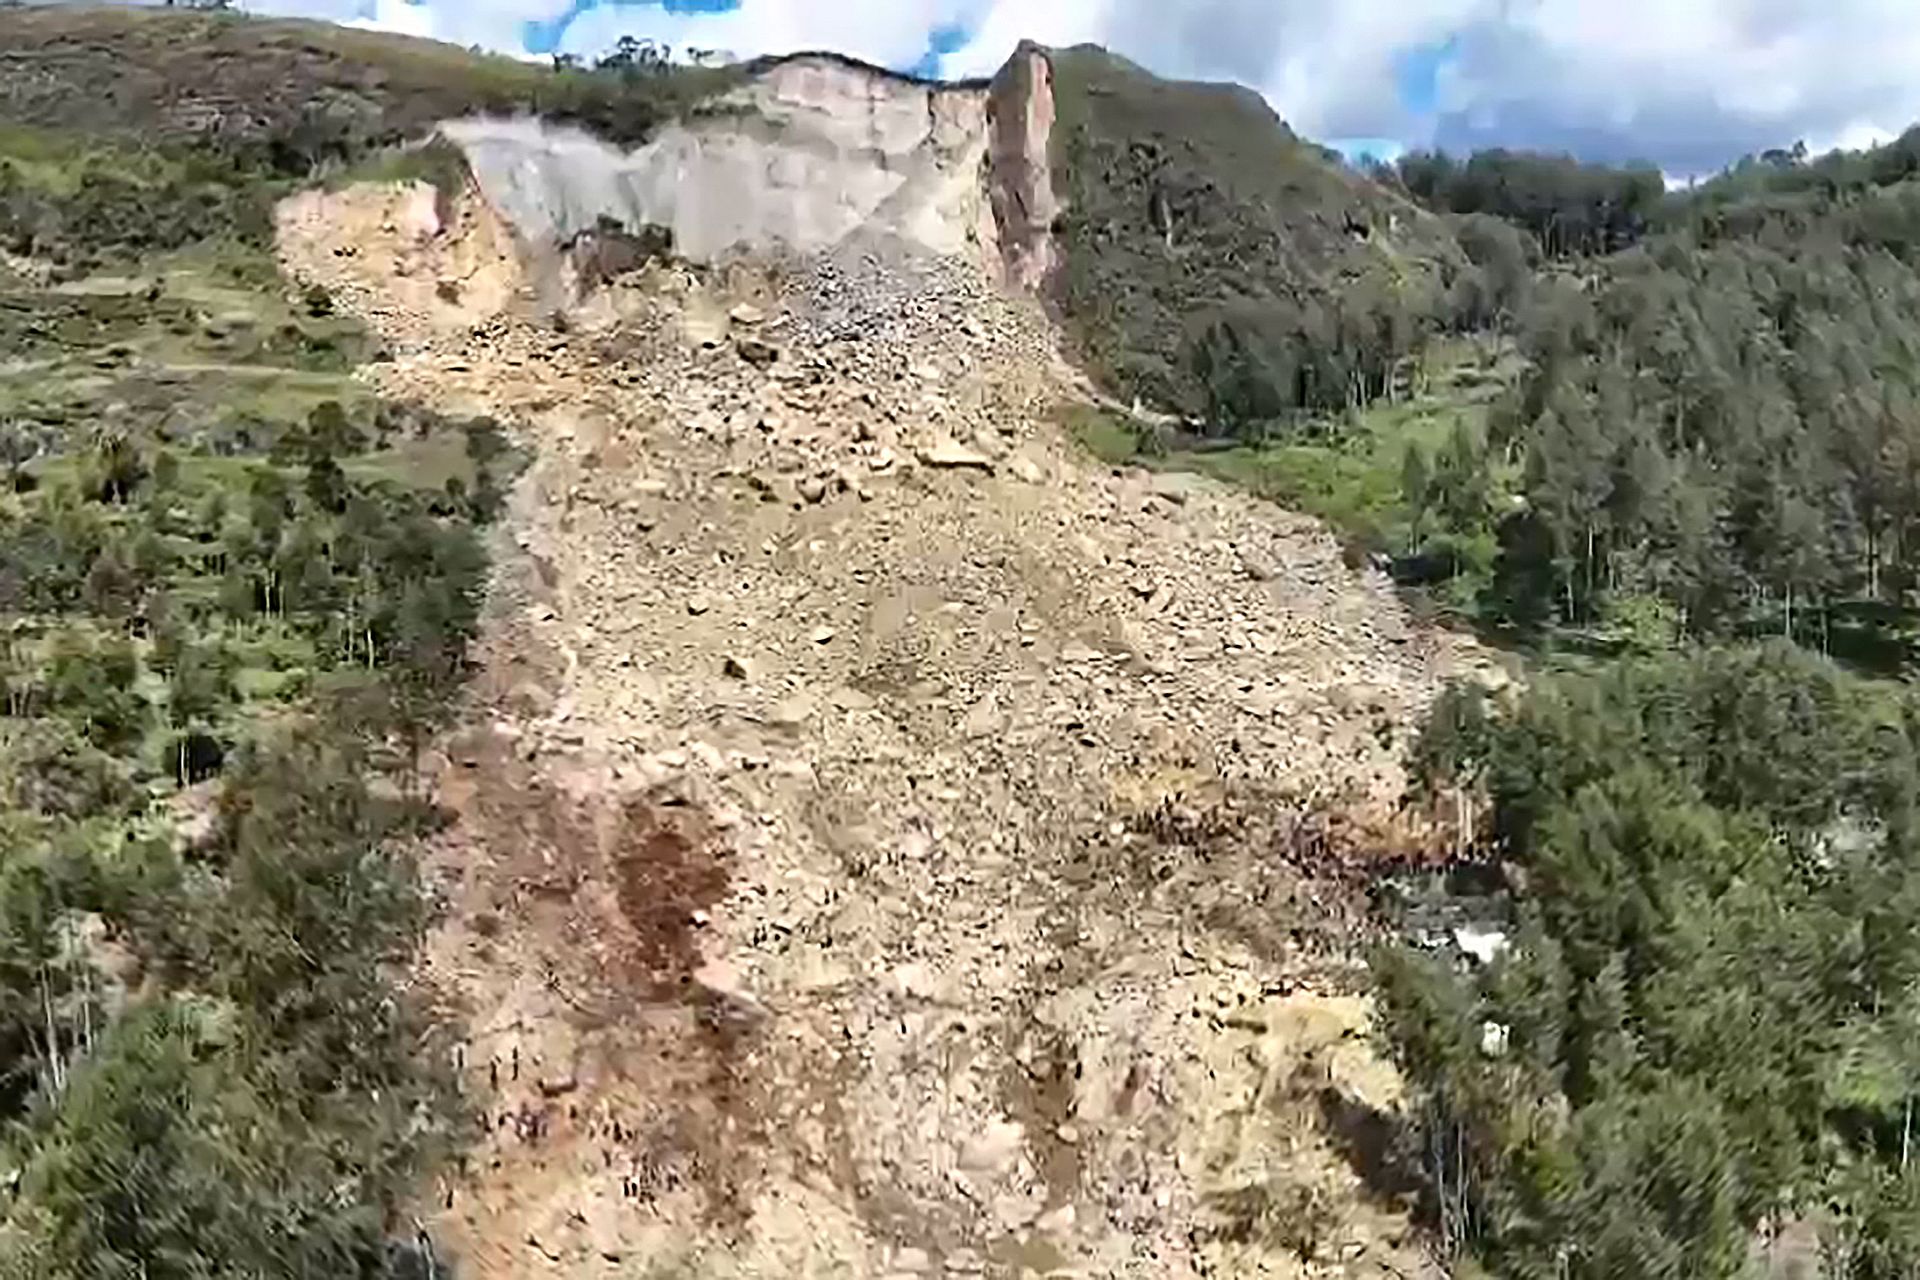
{"x": 1259, "y": 219}
{"x": 202, "y": 354}
{"x": 290, "y": 93}
{"x": 1347, "y": 471}
{"x": 170, "y": 75}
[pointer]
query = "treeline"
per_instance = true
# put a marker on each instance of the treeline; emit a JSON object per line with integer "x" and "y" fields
{"x": 1701, "y": 1034}
{"x": 1569, "y": 207}
{"x": 1698, "y": 1048}
{"x": 1712, "y": 433}
{"x": 1729, "y": 425}
{"x": 1790, "y": 171}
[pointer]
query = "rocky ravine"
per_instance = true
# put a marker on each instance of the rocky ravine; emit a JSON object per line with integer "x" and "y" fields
{"x": 888, "y": 844}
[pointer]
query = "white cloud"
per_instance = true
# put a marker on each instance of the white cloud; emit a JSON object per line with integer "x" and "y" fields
{"x": 1689, "y": 84}
{"x": 892, "y": 34}
{"x": 1001, "y": 25}
{"x": 397, "y": 16}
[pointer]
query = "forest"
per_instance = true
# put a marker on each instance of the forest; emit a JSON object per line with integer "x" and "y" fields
{"x": 218, "y": 630}
{"x": 236, "y": 590}
{"x": 1717, "y": 421}
{"x": 1700, "y": 1037}
{"x": 1690, "y": 496}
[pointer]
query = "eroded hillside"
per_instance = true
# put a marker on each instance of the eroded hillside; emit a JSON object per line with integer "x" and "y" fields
{"x": 887, "y": 842}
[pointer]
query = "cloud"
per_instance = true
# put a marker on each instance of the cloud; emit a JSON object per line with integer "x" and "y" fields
{"x": 402, "y": 16}
{"x": 1687, "y": 84}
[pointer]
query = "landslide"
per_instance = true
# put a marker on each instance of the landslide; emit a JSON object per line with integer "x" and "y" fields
{"x": 886, "y": 841}
{"x": 1199, "y": 255}
{"x": 883, "y": 841}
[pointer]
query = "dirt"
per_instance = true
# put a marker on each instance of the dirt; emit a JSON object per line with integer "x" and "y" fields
{"x": 888, "y": 843}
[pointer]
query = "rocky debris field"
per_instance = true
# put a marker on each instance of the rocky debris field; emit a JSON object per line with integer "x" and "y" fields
{"x": 888, "y": 843}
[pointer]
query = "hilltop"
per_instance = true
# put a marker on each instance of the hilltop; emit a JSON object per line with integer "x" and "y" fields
{"x": 1216, "y": 265}
{"x": 1210, "y": 262}
{"x": 302, "y": 92}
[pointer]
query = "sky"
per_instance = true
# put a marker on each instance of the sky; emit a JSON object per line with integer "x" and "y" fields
{"x": 1688, "y": 85}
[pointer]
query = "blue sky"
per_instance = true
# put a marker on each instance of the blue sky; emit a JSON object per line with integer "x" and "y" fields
{"x": 1686, "y": 84}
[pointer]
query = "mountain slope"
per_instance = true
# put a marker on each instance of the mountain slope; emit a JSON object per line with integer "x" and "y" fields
{"x": 1204, "y": 259}
{"x": 1216, "y": 264}
{"x": 875, "y": 838}
{"x": 304, "y": 91}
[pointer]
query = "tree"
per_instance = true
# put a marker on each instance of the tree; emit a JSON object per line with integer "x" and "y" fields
{"x": 1699, "y": 1036}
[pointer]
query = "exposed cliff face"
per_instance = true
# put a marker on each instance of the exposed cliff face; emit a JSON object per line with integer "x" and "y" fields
{"x": 804, "y": 154}
{"x": 1020, "y": 118}
{"x": 809, "y": 151}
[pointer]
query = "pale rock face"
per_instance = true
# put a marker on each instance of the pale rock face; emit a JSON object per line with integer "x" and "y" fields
{"x": 800, "y": 157}
{"x": 807, "y": 153}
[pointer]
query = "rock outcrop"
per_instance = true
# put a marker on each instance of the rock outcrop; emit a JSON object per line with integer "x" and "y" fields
{"x": 808, "y": 151}
{"x": 1020, "y": 118}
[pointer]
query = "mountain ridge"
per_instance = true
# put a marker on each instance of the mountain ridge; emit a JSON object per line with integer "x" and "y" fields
{"x": 1174, "y": 329}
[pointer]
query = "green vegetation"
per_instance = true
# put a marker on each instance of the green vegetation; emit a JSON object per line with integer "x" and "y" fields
{"x": 1705, "y": 425}
{"x": 235, "y": 594}
{"x": 1705, "y": 1024}
{"x": 1567, "y": 207}
{"x": 221, "y": 586}
{"x": 288, "y": 96}
{"x": 1703, "y": 1032}
{"x": 1219, "y": 267}
{"x": 1725, "y": 422}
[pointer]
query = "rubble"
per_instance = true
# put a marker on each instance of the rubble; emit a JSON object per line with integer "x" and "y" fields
{"x": 951, "y": 891}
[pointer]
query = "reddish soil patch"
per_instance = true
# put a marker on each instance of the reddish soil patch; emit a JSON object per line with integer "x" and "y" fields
{"x": 668, "y": 864}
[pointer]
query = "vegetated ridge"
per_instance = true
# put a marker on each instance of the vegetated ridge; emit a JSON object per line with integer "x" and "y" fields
{"x": 1216, "y": 265}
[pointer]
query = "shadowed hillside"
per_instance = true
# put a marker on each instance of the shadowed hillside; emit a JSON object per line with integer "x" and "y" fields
{"x": 1218, "y": 265}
